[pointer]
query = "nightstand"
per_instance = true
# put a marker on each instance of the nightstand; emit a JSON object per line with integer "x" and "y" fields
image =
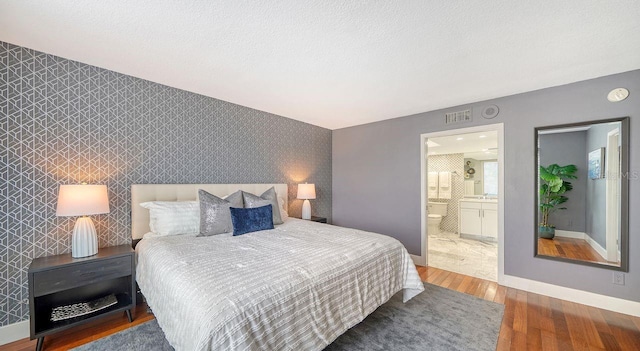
{"x": 57, "y": 281}
{"x": 318, "y": 219}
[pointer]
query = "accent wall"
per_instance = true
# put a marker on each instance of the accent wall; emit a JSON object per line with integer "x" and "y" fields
{"x": 64, "y": 122}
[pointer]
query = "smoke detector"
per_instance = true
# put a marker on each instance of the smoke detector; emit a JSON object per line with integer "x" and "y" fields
{"x": 490, "y": 111}
{"x": 618, "y": 94}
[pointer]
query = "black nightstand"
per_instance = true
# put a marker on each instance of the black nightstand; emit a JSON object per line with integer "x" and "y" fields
{"x": 318, "y": 219}
{"x": 61, "y": 280}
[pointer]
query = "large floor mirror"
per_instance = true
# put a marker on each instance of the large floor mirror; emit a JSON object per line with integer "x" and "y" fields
{"x": 582, "y": 193}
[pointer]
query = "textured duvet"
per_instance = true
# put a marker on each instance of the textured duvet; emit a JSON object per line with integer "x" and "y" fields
{"x": 296, "y": 287}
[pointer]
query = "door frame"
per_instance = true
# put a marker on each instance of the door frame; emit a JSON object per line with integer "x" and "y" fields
{"x": 499, "y": 128}
{"x": 612, "y": 197}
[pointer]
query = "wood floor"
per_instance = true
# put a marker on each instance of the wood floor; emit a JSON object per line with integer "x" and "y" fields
{"x": 530, "y": 322}
{"x": 83, "y": 334}
{"x": 537, "y": 322}
{"x": 569, "y": 248}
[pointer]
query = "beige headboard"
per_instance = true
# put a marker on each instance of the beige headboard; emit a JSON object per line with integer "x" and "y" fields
{"x": 185, "y": 192}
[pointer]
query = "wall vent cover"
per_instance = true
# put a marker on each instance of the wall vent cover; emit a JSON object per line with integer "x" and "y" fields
{"x": 458, "y": 117}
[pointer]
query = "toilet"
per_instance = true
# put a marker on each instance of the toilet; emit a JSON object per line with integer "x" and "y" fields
{"x": 435, "y": 212}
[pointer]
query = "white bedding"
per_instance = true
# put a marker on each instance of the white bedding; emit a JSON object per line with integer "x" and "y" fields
{"x": 296, "y": 287}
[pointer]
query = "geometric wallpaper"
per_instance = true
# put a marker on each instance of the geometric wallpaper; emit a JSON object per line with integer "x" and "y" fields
{"x": 64, "y": 122}
{"x": 450, "y": 163}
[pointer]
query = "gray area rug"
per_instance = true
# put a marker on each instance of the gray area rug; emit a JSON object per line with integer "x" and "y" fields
{"x": 437, "y": 319}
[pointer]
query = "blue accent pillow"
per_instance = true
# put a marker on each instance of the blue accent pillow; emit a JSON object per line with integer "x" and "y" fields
{"x": 247, "y": 220}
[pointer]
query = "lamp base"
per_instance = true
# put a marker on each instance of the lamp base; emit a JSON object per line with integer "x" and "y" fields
{"x": 306, "y": 210}
{"x": 85, "y": 240}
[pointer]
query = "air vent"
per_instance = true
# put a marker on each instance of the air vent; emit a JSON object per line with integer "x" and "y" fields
{"x": 458, "y": 117}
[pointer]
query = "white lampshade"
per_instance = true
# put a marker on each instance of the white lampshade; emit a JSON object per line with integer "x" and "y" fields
{"x": 82, "y": 200}
{"x": 306, "y": 191}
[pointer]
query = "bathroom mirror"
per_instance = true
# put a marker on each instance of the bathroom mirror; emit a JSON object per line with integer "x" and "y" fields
{"x": 582, "y": 175}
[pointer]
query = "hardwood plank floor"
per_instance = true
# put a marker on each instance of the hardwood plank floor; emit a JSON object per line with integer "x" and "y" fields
{"x": 530, "y": 322}
{"x": 538, "y": 322}
{"x": 578, "y": 249}
{"x": 83, "y": 334}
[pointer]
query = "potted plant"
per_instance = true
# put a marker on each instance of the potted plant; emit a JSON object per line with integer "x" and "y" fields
{"x": 552, "y": 187}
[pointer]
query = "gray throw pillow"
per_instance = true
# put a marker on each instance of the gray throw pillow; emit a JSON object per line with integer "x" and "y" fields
{"x": 215, "y": 216}
{"x": 236, "y": 200}
{"x": 269, "y": 197}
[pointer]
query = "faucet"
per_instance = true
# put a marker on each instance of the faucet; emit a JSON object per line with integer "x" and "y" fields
{"x": 484, "y": 197}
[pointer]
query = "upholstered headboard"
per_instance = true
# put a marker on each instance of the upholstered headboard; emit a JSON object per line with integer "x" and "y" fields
{"x": 185, "y": 192}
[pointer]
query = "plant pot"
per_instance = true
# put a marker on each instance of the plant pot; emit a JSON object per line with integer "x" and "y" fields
{"x": 546, "y": 232}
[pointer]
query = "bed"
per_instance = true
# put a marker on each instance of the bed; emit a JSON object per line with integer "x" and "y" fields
{"x": 296, "y": 287}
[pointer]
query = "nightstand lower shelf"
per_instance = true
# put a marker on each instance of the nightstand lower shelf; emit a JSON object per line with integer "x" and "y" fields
{"x": 46, "y": 326}
{"x": 63, "y": 281}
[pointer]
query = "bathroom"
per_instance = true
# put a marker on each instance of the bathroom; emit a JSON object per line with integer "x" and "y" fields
{"x": 462, "y": 207}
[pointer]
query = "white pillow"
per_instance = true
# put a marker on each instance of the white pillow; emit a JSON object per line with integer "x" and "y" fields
{"x": 284, "y": 213}
{"x": 173, "y": 217}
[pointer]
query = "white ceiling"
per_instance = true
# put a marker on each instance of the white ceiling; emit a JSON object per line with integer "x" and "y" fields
{"x": 481, "y": 145}
{"x": 338, "y": 63}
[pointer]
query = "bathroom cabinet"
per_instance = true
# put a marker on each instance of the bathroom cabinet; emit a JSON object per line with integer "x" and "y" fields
{"x": 479, "y": 219}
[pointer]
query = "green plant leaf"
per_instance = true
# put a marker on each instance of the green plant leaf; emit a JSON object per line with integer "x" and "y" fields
{"x": 555, "y": 184}
{"x": 546, "y": 175}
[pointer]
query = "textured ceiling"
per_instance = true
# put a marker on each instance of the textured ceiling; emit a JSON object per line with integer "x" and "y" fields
{"x": 338, "y": 63}
{"x": 480, "y": 145}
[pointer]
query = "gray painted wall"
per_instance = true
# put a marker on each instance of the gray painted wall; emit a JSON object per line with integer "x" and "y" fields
{"x": 376, "y": 175}
{"x": 596, "y": 226}
{"x": 565, "y": 149}
{"x": 65, "y": 122}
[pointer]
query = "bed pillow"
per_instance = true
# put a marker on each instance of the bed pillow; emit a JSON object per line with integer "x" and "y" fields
{"x": 269, "y": 197}
{"x": 284, "y": 214}
{"x": 215, "y": 217}
{"x": 173, "y": 217}
{"x": 247, "y": 220}
{"x": 235, "y": 199}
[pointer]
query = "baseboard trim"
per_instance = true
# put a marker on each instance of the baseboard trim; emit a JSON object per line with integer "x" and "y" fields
{"x": 14, "y": 332}
{"x": 580, "y": 235}
{"x": 594, "y": 244}
{"x": 418, "y": 260}
{"x": 579, "y": 296}
{"x": 570, "y": 234}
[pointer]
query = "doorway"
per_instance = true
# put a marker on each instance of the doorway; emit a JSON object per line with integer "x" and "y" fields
{"x": 462, "y": 201}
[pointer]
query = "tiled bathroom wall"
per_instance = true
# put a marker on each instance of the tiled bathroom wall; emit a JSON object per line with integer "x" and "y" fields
{"x": 450, "y": 163}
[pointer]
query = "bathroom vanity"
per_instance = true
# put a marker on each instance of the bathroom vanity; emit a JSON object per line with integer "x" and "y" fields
{"x": 478, "y": 218}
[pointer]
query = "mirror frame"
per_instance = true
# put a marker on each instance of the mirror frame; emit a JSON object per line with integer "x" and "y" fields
{"x": 624, "y": 195}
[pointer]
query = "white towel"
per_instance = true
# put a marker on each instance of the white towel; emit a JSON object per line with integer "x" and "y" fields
{"x": 444, "y": 180}
{"x": 432, "y": 185}
{"x": 433, "y": 179}
{"x": 469, "y": 187}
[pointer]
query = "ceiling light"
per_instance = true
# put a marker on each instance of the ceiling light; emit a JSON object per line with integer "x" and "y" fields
{"x": 459, "y": 138}
{"x": 618, "y": 94}
{"x": 485, "y": 149}
{"x": 483, "y": 136}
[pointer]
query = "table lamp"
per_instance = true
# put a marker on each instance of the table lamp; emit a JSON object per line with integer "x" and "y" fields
{"x": 306, "y": 192}
{"x": 83, "y": 200}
